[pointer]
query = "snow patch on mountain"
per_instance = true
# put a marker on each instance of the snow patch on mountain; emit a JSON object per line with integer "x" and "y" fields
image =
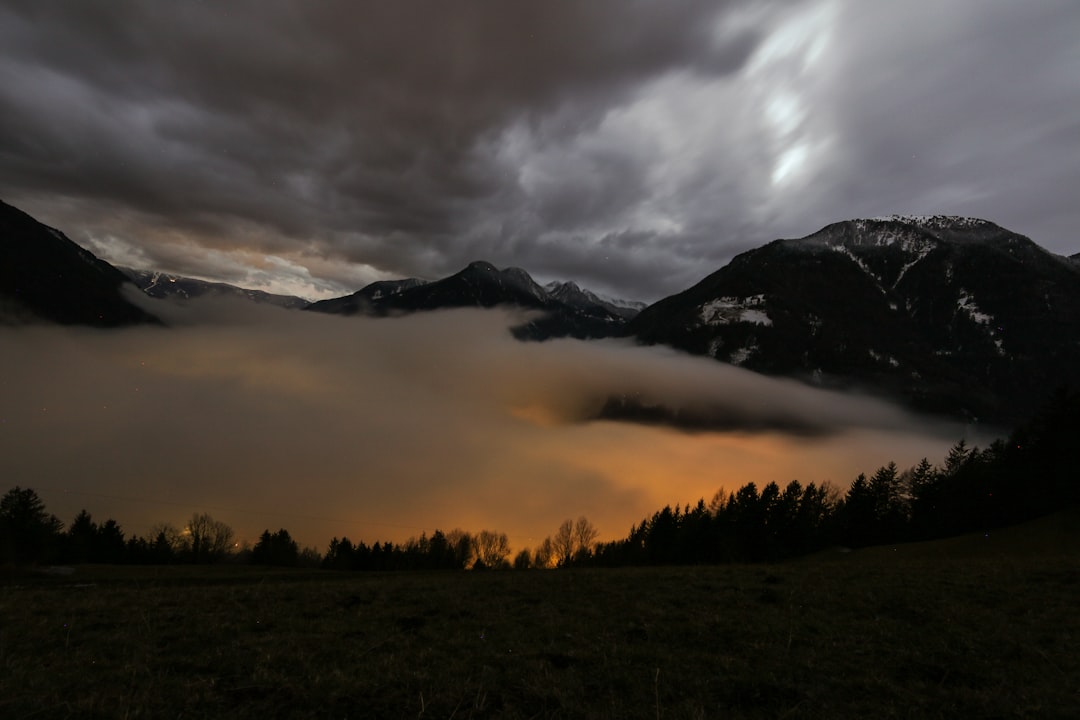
{"x": 743, "y": 354}
{"x": 966, "y": 303}
{"x": 878, "y": 357}
{"x": 918, "y": 253}
{"x": 727, "y": 310}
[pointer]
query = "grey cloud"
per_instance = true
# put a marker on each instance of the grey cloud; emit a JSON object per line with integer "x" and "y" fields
{"x": 963, "y": 114}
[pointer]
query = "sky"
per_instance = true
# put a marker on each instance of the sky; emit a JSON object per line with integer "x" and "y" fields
{"x": 632, "y": 146}
{"x": 380, "y": 429}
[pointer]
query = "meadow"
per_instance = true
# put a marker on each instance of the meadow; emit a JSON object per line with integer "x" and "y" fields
{"x": 974, "y": 627}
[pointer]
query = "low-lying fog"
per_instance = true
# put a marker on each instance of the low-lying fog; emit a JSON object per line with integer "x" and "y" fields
{"x": 380, "y": 429}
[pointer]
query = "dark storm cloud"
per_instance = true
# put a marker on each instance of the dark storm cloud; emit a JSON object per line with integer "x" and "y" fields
{"x": 631, "y": 146}
{"x": 352, "y": 124}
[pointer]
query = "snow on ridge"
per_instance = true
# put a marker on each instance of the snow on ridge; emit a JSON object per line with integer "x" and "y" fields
{"x": 730, "y": 309}
{"x": 620, "y": 302}
{"x": 934, "y": 221}
{"x": 556, "y": 287}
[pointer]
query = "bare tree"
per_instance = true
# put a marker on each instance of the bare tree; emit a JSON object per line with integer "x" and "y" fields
{"x": 562, "y": 544}
{"x": 492, "y": 549}
{"x": 462, "y": 548}
{"x": 585, "y": 534}
{"x": 573, "y": 541}
{"x": 206, "y": 538}
{"x": 544, "y": 555}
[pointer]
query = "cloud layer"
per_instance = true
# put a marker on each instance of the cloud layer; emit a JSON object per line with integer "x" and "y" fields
{"x": 632, "y": 146}
{"x": 381, "y": 429}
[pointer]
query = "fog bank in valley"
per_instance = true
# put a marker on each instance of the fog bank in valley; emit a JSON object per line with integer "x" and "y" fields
{"x": 380, "y": 429}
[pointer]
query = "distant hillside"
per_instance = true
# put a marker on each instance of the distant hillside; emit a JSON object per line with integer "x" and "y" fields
{"x": 954, "y": 315}
{"x": 44, "y": 276}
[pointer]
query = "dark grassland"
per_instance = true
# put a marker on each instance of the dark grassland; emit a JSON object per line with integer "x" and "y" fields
{"x": 969, "y": 628}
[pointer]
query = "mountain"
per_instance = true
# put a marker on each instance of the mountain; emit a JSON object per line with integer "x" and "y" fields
{"x": 569, "y": 293}
{"x": 163, "y": 286}
{"x": 481, "y": 284}
{"x": 953, "y": 315}
{"x": 44, "y": 276}
{"x": 368, "y": 300}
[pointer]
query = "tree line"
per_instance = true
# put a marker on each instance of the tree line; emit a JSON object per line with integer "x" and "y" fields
{"x": 30, "y": 535}
{"x": 1030, "y": 473}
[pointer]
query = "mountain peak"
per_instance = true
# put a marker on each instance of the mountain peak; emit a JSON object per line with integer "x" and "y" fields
{"x": 482, "y": 266}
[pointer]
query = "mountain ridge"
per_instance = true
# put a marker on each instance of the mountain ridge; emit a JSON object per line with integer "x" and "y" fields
{"x": 45, "y": 276}
{"x": 480, "y": 284}
{"x": 164, "y": 286}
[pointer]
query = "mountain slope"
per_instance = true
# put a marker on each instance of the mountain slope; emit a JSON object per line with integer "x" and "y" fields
{"x": 954, "y": 315}
{"x": 44, "y": 276}
{"x": 481, "y": 284}
{"x": 164, "y": 286}
{"x": 366, "y": 300}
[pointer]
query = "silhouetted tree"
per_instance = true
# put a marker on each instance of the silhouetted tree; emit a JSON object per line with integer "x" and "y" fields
{"x": 309, "y": 558}
{"x": 28, "y": 533}
{"x": 205, "y": 539}
{"x": 573, "y": 541}
{"x": 492, "y": 549}
{"x": 544, "y": 554}
{"x": 82, "y": 537}
{"x": 924, "y": 489}
{"x": 958, "y": 456}
{"x": 462, "y": 549}
{"x": 523, "y": 560}
{"x": 339, "y": 555}
{"x": 276, "y": 549}
{"x": 110, "y": 544}
{"x": 890, "y": 504}
{"x": 585, "y": 534}
{"x": 858, "y": 514}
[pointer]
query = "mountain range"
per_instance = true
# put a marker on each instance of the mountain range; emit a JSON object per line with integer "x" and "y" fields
{"x": 566, "y": 309}
{"x": 951, "y": 315}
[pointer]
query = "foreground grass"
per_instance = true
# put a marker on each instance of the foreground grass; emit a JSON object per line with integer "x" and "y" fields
{"x": 880, "y": 634}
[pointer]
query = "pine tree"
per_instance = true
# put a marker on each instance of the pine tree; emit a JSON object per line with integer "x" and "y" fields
{"x": 28, "y": 533}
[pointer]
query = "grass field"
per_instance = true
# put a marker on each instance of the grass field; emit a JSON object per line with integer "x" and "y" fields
{"x": 967, "y": 628}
